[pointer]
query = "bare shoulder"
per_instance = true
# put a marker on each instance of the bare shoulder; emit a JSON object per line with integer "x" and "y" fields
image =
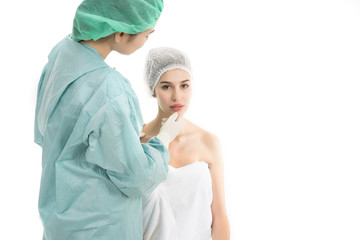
{"x": 213, "y": 146}
{"x": 210, "y": 142}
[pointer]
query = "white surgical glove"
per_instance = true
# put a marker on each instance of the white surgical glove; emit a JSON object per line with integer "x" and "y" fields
{"x": 170, "y": 129}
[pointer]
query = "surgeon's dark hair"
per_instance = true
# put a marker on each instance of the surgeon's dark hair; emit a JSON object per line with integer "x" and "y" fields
{"x": 132, "y": 36}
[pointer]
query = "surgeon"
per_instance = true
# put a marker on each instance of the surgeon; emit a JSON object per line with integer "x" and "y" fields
{"x": 88, "y": 121}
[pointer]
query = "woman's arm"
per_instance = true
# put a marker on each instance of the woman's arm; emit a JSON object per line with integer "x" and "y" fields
{"x": 220, "y": 224}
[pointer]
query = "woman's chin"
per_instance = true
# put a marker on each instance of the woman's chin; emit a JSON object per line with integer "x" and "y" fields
{"x": 180, "y": 112}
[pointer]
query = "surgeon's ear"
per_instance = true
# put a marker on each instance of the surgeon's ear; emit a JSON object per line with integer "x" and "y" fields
{"x": 118, "y": 36}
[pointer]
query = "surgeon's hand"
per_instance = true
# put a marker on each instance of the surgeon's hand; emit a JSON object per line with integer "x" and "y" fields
{"x": 170, "y": 129}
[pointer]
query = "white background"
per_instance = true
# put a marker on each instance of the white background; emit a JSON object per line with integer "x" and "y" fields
{"x": 276, "y": 81}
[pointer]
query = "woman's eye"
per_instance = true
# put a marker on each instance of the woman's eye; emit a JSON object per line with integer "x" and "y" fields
{"x": 165, "y": 87}
{"x": 185, "y": 85}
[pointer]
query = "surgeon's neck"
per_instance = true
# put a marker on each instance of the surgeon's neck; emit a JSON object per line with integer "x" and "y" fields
{"x": 101, "y": 45}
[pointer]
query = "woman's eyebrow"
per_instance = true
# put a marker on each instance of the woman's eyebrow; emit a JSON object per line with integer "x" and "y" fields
{"x": 187, "y": 80}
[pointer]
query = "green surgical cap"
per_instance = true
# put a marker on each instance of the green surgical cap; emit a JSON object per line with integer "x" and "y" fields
{"x": 96, "y": 19}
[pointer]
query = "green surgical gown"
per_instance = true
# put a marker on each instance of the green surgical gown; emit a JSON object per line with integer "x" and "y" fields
{"x": 94, "y": 168}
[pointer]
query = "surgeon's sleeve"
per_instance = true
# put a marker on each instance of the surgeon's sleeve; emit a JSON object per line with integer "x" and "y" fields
{"x": 113, "y": 144}
{"x": 38, "y": 136}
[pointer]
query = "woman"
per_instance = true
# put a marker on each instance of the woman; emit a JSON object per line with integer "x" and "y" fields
{"x": 88, "y": 121}
{"x": 190, "y": 204}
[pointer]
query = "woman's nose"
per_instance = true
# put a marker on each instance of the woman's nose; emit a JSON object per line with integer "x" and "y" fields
{"x": 176, "y": 95}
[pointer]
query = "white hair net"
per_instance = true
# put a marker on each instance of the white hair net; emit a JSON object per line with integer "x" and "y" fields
{"x": 163, "y": 59}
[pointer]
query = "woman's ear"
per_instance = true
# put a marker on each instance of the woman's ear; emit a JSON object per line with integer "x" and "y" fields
{"x": 118, "y": 36}
{"x": 153, "y": 94}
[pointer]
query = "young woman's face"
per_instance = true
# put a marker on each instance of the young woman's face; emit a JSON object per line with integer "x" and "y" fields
{"x": 173, "y": 92}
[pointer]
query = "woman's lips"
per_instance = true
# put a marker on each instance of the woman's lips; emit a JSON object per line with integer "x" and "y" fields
{"x": 177, "y": 107}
